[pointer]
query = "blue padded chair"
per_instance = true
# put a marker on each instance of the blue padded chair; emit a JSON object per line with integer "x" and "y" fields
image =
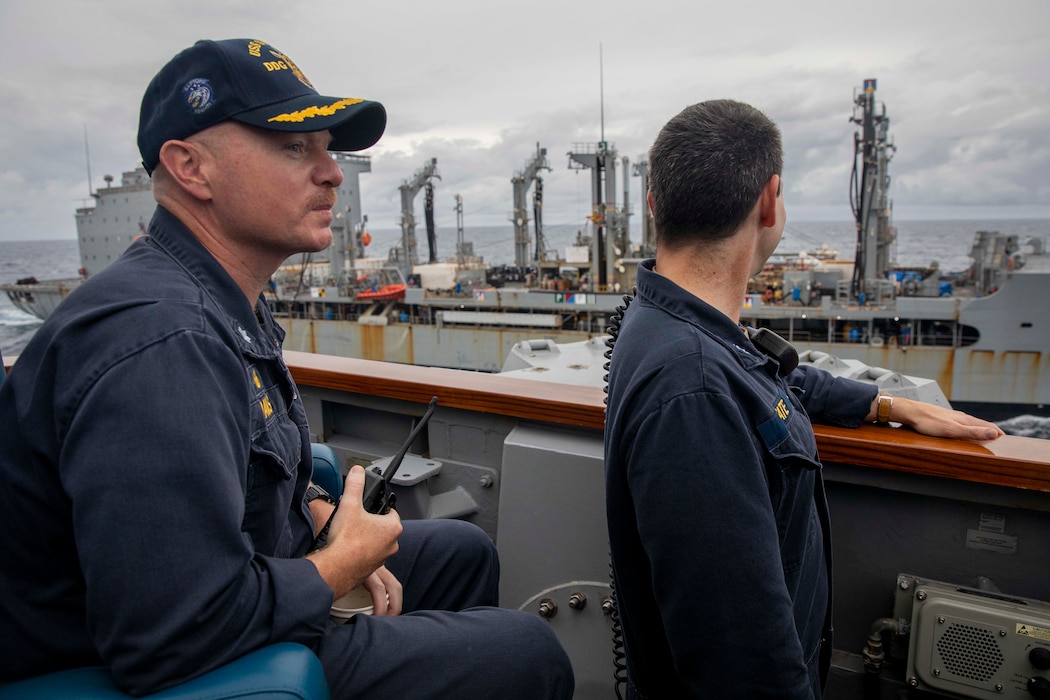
{"x": 283, "y": 671}
{"x": 327, "y": 473}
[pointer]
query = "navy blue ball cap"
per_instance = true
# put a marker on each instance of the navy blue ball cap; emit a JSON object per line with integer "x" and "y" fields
{"x": 251, "y": 82}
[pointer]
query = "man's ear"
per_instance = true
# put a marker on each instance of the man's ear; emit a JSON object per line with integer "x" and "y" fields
{"x": 649, "y": 200}
{"x": 767, "y": 202}
{"x": 183, "y": 161}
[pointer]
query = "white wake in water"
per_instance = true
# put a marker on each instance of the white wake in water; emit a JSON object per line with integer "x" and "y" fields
{"x": 17, "y": 318}
{"x": 1027, "y": 426}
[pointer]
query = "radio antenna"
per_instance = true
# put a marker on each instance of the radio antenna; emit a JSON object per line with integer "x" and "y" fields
{"x": 601, "y": 87}
{"x": 87, "y": 156}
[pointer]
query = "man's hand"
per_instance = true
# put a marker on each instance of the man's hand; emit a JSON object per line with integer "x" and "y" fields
{"x": 358, "y": 544}
{"x": 928, "y": 419}
{"x": 387, "y": 594}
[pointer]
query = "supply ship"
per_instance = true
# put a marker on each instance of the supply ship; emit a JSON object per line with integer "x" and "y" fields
{"x": 979, "y": 333}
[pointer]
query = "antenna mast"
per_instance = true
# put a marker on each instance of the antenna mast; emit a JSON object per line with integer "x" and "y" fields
{"x": 87, "y": 157}
{"x": 601, "y": 86}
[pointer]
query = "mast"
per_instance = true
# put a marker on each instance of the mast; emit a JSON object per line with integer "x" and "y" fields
{"x": 610, "y": 224}
{"x": 406, "y": 256}
{"x": 641, "y": 169}
{"x": 600, "y": 159}
{"x": 428, "y": 216}
{"x": 537, "y": 218}
{"x": 520, "y": 184}
{"x": 87, "y": 157}
{"x": 459, "y": 231}
{"x": 870, "y": 184}
{"x": 601, "y": 89}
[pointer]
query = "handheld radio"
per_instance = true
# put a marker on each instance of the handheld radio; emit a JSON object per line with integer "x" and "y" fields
{"x": 378, "y": 497}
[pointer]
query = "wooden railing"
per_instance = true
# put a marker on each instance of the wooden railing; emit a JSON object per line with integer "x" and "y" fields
{"x": 1010, "y": 461}
{"x": 475, "y": 391}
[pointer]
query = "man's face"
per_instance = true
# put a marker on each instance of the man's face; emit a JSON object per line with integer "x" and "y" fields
{"x": 273, "y": 191}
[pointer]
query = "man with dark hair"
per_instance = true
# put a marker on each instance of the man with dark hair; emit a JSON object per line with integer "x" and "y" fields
{"x": 720, "y": 160}
{"x": 156, "y": 510}
{"x": 717, "y": 516}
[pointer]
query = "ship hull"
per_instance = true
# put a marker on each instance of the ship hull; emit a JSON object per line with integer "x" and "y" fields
{"x": 988, "y": 382}
{"x": 40, "y": 298}
{"x": 469, "y": 348}
{"x": 984, "y": 382}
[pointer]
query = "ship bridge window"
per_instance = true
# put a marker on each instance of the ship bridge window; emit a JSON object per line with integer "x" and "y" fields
{"x": 1026, "y": 324}
{"x": 944, "y": 334}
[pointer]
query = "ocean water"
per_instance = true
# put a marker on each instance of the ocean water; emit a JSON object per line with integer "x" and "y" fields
{"x": 57, "y": 259}
{"x": 918, "y": 243}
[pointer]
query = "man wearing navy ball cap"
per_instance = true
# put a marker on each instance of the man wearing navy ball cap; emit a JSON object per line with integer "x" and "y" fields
{"x": 156, "y": 447}
{"x": 252, "y": 83}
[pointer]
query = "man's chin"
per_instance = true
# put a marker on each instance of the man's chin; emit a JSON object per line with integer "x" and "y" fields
{"x": 322, "y": 241}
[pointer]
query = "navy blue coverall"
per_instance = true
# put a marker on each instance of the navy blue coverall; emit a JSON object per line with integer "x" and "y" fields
{"x": 717, "y": 516}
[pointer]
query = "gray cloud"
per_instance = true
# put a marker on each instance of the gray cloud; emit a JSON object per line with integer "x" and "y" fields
{"x": 477, "y": 84}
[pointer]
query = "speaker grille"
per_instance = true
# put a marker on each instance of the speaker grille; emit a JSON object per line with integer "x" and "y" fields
{"x": 970, "y": 652}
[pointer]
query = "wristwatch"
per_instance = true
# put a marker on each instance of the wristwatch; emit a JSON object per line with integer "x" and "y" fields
{"x": 883, "y": 408}
{"x": 313, "y": 492}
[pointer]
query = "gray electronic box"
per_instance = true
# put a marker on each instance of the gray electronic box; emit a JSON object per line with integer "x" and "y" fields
{"x": 972, "y": 643}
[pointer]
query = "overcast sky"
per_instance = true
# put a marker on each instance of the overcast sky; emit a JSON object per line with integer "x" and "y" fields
{"x": 478, "y": 83}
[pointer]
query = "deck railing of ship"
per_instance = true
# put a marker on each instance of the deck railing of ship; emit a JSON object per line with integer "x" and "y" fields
{"x": 1011, "y": 461}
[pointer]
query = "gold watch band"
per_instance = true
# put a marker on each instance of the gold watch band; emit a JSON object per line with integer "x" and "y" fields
{"x": 883, "y": 408}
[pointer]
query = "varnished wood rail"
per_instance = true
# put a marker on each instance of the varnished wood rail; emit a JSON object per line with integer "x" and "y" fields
{"x": 473, "y": 391}
{"x": 1010, "y": 461}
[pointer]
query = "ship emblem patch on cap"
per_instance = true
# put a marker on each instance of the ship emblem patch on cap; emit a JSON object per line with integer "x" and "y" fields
{"x": 198, "y": 95}
{"x": 294, "y": 68}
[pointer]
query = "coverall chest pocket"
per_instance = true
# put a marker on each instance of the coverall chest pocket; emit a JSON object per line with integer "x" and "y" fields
{"x": 791, "y": 463}
{"x": 276, "y": 449}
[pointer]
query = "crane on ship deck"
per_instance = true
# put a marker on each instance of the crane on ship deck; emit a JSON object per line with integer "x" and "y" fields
{"x": 869, "y": 194}
{"x": 406, "y": 255}
{"x": 521, "y": 182}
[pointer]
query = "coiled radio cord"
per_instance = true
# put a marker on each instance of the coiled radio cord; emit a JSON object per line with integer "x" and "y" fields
{"x": 619, "y": 653}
